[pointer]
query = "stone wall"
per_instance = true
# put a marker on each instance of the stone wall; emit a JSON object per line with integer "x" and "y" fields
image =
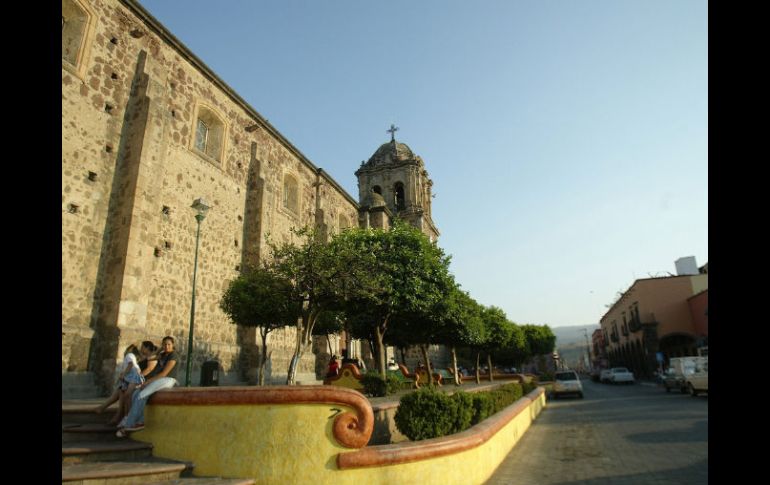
{"x": 130, "y": 172}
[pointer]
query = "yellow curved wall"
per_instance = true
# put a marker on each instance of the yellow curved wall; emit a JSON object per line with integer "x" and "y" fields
{"x": 294, "y": 444}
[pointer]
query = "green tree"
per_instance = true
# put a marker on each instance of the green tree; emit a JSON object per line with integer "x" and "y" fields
{"x": 329, "y": 323}
{"x": 462, "y": 324}
{"x": 498, "y": 332}
{"x": 409, "y": 275}
{"x": 260, "y": 298}
{"x": 540, "y": 340}
{"x": 516, "y": 351}
{"x": 320, "y": 274}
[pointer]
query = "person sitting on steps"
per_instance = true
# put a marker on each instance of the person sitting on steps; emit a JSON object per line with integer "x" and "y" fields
{"x": 130, "y": 377}
{"x": 162, "y": 377}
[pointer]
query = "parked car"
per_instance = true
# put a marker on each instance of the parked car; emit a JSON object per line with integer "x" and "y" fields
{"x": 674, "y": 380}
{"x": 605, "y": 375}
{"x": 567, "y": 382}
{"x": 596, "y": 374}
{"x": 621, "y": 374}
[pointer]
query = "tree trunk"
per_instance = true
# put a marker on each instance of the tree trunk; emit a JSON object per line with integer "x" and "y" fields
{"x": 478, "y": 370}
{"x": 424, "y": 350}
{"x": 489, "y": 364}
{"x": 458, "y": 380}
{"x": 403, "y": 354}
{"x": 380, "y": 352}
{"x": 304, "y": 329}
{"x": 263, "y": 359}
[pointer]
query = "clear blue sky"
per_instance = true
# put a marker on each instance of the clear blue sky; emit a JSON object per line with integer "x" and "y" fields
{"x": 567, "y": 140}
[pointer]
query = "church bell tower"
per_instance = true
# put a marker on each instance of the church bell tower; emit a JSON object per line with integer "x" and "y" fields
{"x": 393, "y": 183}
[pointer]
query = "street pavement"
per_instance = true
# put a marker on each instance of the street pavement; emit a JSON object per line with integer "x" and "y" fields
{"x": 616, "y": 435}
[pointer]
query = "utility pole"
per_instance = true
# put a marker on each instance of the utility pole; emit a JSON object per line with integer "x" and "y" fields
{"x": 588, "y": 349}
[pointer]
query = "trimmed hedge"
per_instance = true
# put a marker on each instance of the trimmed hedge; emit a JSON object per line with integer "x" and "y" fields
{"x": 376, "y": 386}
{"x": 428, "y": 413}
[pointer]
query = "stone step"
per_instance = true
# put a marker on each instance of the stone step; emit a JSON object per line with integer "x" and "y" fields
{"x": 206, "y": 481}
{"x": 90, "y": 451}
{"x": 72, "y": 432}
{"x": 79, "y": 385}
{"x": 151, "y": 470}
{"x": 82, "y": 411}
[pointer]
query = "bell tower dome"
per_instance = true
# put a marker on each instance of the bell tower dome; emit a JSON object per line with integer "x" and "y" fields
{"x": 399, "y": 177}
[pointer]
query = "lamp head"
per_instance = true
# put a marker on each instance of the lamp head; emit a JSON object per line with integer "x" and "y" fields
{"x": 201, "y": 206}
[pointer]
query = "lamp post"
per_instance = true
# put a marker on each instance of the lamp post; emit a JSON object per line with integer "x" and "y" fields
{"x": 201, "y": 207}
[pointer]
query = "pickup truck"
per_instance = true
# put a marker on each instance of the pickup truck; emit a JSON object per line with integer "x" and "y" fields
{"x": 674, "y": 380}
{"x": 695, "y": 372}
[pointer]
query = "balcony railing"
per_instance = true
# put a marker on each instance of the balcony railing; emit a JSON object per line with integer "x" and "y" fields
{"x": 635, "y": 325}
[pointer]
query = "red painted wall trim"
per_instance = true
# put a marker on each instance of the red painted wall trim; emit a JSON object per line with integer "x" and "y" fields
{"x": 422, "y": 450}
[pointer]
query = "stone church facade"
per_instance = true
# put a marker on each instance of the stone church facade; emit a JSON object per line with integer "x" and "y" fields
{"x": 147, "y": 128}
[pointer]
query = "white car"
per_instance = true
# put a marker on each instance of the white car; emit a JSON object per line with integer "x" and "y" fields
{"x": 604, "y": 376}
{"x": 621, "y": 374}
{"x": 567, "y": 382}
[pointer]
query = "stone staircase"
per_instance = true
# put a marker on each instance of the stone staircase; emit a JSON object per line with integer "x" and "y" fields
{"x": 93, "y": 455}
{"x": 79, "y": 385}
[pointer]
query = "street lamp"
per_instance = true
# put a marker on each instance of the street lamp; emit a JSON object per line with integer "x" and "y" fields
{"x": 201, "y": 207}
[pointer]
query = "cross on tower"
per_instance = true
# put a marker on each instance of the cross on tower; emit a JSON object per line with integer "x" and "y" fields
{"x": 393, "y": 129}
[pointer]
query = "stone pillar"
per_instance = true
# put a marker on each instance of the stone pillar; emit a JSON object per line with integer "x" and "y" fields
{"x": 133, "y": 224}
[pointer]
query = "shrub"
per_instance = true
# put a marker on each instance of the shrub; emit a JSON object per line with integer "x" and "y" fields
{"x": 482, "y": 407}
{"x": 425, "y": 414}
{"x": 428, "y": 413}
{"x": 374, "y": 384}
{"x": 463, "y": 413}
{"x": 528, "y": 387}
{"x": 393, "y": 384}
{"x": 505, "y": 395}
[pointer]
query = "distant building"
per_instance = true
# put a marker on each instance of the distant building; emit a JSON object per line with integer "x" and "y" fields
{"x": 656, "y": 315}
{"x": 599, "y": 353}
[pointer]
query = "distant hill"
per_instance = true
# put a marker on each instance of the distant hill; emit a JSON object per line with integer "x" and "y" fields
{"x": 571, "y": 342}
{"x": 573, "y": 334}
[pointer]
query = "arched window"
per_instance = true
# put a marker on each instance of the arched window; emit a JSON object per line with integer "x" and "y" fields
{"x": 377, "y": 189}
{"x": 343, "y": 223}
{"x": 75, "y": 25}
{"x": 291, "y": 193}
{"x": 209, "y": 133}
{"x": 398, "y": 191}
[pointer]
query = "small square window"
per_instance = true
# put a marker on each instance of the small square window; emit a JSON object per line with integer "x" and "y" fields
{"x": 92, "y": 176}
{"x": 157, "y": 252}
{"x": 73, "y": 209}
{"x": 167, "y": 244}
{"x": 166, "y": 210}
